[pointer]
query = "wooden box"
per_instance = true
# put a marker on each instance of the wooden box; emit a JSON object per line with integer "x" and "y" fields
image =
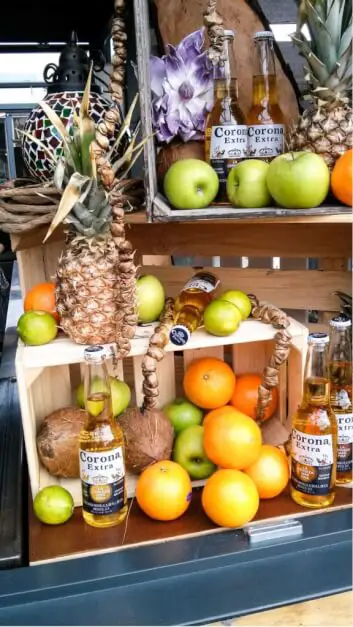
{"x": 157, "y": 206}
{"x": 47, "y": 376}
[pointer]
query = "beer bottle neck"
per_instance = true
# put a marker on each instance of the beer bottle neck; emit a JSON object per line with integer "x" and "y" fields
{"x": 316, "y": 377}
{"x": 340, "y": 345}
{"x": 264, "y": 77}
{"x": 225, "y": 74}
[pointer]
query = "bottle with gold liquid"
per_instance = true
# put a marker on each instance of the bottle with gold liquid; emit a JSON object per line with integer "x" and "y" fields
{"x": 265, "y": 119}
{"x": 101, "y": 443}
{"x": 226, "y": 133}
{"x": 190, "y": 305}
{"x": 314, "y": 432}
{"x": 340, "y": 361}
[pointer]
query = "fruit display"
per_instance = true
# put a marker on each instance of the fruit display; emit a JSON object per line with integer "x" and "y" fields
{"x": 148, "y": 438}
{"x": 270, "y": 472}
{"x": 209, "y": 382}
{"x": 298, "y": 180}
{"x": 150, "y": 298}
{"x": 326, "y": 126}
{"x": 230, "y": 498}
{"x": 53, "y": 505}
{"x": 120, "y": 391}
{"x": 189, "y": 452}
{"x": 183, "y": 414}
{"x": 35, "y": 328}
{"x": 245, "y": 396}
{"x": 57, "y": 442}
{"x": 190, "y": 184}
{"x": 240, "y": 300}
{"x": 41, "y": 298}
{"x": 341, "y": 178}
{"x": 164, "y": 491}
{"x": 246, "y": 184}
{"x": 221, "y": 317}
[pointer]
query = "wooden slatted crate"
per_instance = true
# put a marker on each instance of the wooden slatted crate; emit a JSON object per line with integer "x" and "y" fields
{"x": 47, "y": 376}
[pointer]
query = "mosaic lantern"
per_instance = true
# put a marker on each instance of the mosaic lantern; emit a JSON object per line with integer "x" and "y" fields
{"x": 66, "y": 84}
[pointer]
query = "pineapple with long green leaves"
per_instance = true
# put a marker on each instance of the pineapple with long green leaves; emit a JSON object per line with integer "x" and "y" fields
{"x": 87, "y": 281}
{"x": 326, "y": 127}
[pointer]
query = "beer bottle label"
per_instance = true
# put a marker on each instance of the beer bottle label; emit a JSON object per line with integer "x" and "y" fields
{"x": 345, "y": 442}
{"x": 103, "y": 478}
{"x": 202, "y": 281}
{"x": 312, "y": 463}
{"x": 229, "y": 141}
{"x": 265, "y": 140}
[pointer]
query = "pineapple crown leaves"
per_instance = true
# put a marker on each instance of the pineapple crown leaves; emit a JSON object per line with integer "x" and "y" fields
{"x": 329, "y": 50}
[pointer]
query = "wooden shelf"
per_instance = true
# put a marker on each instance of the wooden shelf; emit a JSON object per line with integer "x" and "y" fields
{"x": 63, "y": 351}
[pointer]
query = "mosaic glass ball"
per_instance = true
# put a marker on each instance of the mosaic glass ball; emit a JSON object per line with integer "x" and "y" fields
{"x": 38, "y": 162}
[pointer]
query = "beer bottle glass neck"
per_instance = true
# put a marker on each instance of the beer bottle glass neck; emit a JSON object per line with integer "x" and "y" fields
{"x": 264, "y": 76}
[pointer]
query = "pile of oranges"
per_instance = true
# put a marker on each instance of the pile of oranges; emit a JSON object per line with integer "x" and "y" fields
{"x": 248, "y": 470}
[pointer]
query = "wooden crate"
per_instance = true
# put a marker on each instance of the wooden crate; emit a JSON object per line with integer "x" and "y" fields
{"x": 158, "y": 208}
{"x": 47, "y": 376}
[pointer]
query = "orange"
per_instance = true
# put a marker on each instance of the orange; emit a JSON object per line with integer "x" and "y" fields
{"x": 209, "y": 382}
{"x": 230, "y": 498}
{"x": 41, "y": 297}
{"x": 245, "y": 396}
{"x": 341, "y": 178}
{"x": 270, "y": 472}
{"x": 164, "y": 490}
{"x": 231, "y": 439}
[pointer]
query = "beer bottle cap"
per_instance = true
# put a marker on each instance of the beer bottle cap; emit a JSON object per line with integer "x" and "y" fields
{"x": 229, "y": 33}
{"x": 341, "y": 322}
{"x": 94, "y": 353}
{"x": 179, "y": 335}
{"x": 318, "y": 338}
{"x": 264, "y": 34}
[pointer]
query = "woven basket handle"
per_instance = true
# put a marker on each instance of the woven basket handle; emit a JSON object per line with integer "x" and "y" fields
{"x": 214, "y": 25}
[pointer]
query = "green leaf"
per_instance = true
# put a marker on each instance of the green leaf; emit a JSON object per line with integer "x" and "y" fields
{"x": 76, "y": 190}
{"x": 345, "y": 40}
{"x": 71, "y": 151}
{"x": 128, "y": 154}
{"x": 124, "y": 127}
{"x": 87, "y": 128}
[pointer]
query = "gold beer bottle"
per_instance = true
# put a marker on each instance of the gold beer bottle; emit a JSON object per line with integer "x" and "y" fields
{"x": 226, "y": 133}
{"x": 101, "y": 442}
{"x": 265, "y": 119}
{"x": 190, "y": 305}
{"x": 340, "y": 361}
{"x": 314, "y": 432}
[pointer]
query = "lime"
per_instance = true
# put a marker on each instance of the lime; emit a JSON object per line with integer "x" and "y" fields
{"x": 240, "y": 300}
{"x": 36, "y": 328}
{"x": 53, "y": 505}
{"x": 221, "y": 317}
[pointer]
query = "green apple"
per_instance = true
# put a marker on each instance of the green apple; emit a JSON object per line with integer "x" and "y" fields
{"x": 221, "y": 317}
{"x": 150, "y": 298}
{"x": 190, "y": 184}
{"x": 120, "y": 391}
{"x": 240, "y": 300}
{"x": 298, "y": 180}
{"x": 188, "y": 451}
{"x": 246, "y": 184}
{"x": 183, "y": 414}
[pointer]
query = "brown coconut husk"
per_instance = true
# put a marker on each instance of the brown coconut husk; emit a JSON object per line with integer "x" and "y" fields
{"x": 148, "y": 438}
{"x": 58, "y": 442}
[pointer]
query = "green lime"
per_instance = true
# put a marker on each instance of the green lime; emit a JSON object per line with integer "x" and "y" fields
{"x": 240, "y": 300}
{"x": 36, "y": 328}
{"x": 53, "y": 505}
{"x": 221, "y": 317}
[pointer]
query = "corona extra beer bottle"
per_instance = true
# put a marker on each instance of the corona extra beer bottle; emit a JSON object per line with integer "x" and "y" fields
{"x": 340, "y": 360}
{"x": 102, "y": 467}
{"x": 314, "y": 432}
{"x": 265, "y": 120}
{"x": 226, "y": 133}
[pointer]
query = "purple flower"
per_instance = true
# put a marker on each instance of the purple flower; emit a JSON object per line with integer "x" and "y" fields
{"x": 182, "y": 90}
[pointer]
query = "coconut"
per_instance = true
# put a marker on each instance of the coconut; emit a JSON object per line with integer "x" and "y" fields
{"x": 148, "y": 438}
{"x": 58, "y": 442}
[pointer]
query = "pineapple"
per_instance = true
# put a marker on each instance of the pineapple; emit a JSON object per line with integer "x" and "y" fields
{"x": 87, "y": 279}
{"x": 326, "y": 127}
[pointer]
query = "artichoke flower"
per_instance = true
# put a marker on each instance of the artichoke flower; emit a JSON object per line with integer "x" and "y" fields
{"x": 182, "y": 90}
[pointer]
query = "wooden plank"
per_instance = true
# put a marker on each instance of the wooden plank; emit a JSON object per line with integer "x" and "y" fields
{"x": 287, "y": 289}
{"x": 249, "y": 240}
{"x": 76, "y": 539}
